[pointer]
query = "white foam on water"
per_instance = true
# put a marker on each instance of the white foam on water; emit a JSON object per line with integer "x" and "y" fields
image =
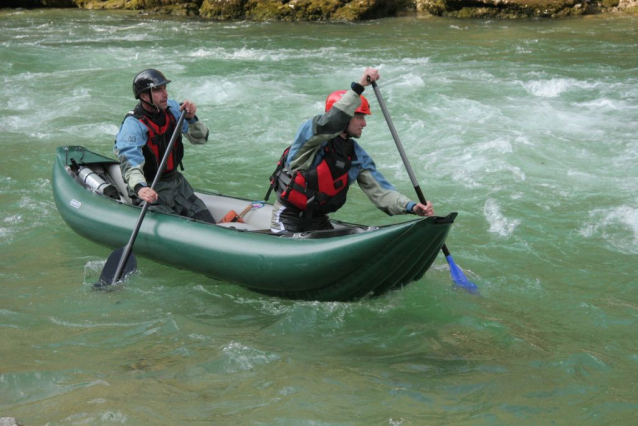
{"x": 317, "y": 106}
{"x": 499, "y": 145}
{"x": 19, "y": 103}
{"x": 100, "y": 38}
{"x": 5, "y": 232}
{"x": 93, "y": 131}
{"x": 603, "y": 103}
{"x": 39, "y": 206}
{"x": 261, "y": 55}
{"x": 469, "y": 165}
{"x": 243, "y": 358}
{"x": 546, "y": 89}
{"x": 499, "y": 224}
{"x": 411, "y": 80}
{"x": 13, "y": 124}
{"x": 217, "y": 92}
{"x": 415, "y": 61}
{"x": 613, "y": 225}
{"x": 15, "y": 219}
{"x": 580, "y": 174}
{"x": 217, "y": 52}
{"x": 88, "y": 324}
{"x": 417, "y": 126}
{"x": 554, "y": 87}
{"x": 104, "y": 417}
{"x": 516, "y": 172}
{"x": 238, "y": 26}
{"x": 80, "y": 93}
{"x": 464, "y": 175}
{"x": 114, "y": 417}
{"x": 94, "y": 265}
{"x": 469, "y": 111}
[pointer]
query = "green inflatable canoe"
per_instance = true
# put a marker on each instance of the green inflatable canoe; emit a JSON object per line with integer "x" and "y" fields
{"x": 347, "y": 263}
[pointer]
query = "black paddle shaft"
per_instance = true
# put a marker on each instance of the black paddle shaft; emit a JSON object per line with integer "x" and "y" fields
{"x": 404, "y": 157}
{"x": 129, "y": 247}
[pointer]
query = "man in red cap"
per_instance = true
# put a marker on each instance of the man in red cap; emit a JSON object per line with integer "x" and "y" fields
{"x": 316, "y": 171}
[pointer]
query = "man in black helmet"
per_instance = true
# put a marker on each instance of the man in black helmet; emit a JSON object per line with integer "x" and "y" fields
{"x": 142, "y": 141}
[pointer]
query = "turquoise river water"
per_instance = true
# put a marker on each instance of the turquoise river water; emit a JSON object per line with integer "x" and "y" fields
{"x": 528, "y": 129}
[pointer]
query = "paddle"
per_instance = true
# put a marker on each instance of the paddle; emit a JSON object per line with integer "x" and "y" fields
{"x": 457, "y": 274}
{"x": 122, "y": 262}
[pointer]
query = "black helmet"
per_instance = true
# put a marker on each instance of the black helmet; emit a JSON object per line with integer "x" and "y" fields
{"x": 146, "y": 80}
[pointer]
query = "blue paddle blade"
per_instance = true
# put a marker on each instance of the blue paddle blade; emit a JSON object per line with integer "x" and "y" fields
{"x": 459, "y": 277}
{"x": 110, "y": 268}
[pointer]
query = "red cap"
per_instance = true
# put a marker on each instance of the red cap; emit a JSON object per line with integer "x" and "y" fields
{"x": 364, "y": 108}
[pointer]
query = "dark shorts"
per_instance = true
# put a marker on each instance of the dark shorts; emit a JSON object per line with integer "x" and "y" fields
{"x": 177, "y": 197}
{"x": 289, "y": 219}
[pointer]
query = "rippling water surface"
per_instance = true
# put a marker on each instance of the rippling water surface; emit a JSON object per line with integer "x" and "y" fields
{"x": 527, "y": 129}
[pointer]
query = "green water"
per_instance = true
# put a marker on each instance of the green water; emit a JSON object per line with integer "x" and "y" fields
{"x": 527, "y": 129}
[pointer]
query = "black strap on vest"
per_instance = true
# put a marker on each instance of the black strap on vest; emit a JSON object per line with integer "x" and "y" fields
{"x": 274, "y": 177}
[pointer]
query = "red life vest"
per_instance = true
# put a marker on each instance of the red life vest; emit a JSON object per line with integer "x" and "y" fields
{"x": 322, "y": 189}
{"x": 158, "y": 139}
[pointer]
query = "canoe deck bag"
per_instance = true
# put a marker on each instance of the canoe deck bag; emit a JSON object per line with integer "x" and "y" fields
{"x": 320, "y": 190}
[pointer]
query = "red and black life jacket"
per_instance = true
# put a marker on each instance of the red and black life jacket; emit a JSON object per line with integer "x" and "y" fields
{"x": 159, "y": 137}
{"x": 322, "y": 189}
